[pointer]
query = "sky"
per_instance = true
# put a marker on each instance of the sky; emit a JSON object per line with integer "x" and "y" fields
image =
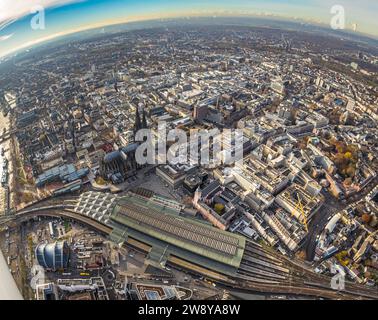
{"x": 63, "y": 17}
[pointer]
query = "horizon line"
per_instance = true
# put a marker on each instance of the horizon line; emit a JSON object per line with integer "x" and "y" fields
{"x": 213, "y": 15}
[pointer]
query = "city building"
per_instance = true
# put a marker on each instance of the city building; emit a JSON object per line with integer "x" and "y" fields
{"x": 53, "y": 256}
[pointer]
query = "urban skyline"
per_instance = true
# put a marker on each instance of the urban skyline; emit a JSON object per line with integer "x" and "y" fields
{"x": 63, "y": 17}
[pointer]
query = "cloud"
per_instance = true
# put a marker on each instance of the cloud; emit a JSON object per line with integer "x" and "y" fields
{"x": 11, "y": 10}
{"x": 6, "y": 37}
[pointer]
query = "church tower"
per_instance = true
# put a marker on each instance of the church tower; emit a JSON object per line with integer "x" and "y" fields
{"x": 144, "y": 120}
{"x": 138, "y": 123}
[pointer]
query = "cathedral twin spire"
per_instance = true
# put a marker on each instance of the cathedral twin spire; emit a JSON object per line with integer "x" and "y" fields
{"x": 140, "y": 123}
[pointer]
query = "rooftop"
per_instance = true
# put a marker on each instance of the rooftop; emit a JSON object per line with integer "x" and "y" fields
{"x": 192, "y": 235}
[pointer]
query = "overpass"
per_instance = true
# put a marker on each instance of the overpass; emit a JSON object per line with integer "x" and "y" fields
{"x": 61, "y": 211}
{"x": 261, "y": 271}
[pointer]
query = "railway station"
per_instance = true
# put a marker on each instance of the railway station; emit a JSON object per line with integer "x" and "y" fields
{"x": 158, "y": 228}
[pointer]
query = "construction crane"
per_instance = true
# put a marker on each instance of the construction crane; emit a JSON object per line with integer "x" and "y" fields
{"x": 299, "y": 207}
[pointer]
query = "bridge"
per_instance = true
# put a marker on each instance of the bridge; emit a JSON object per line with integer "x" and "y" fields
{"x": 60, "y": 211}
{"x": 261, "y": 271}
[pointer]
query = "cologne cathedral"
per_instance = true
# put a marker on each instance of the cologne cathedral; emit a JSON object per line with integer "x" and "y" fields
{"x": 119, "y": 165}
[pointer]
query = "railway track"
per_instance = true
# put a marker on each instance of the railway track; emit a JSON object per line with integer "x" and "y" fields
{"x": 260, "y": 270}
{"x": 290, "y": 276}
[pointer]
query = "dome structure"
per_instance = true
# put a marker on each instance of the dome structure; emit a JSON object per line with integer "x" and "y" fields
{"x": 53, "y": 256}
